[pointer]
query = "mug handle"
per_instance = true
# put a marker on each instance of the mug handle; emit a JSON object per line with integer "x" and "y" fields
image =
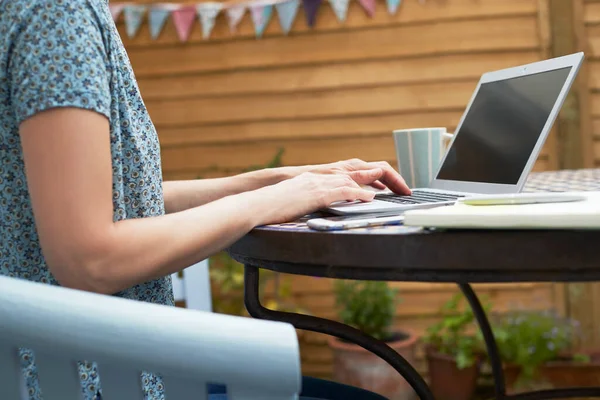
{"x": 447, "y": 137}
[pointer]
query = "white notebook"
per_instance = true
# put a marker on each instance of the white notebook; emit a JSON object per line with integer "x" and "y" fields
{"x": 571, "y": 215}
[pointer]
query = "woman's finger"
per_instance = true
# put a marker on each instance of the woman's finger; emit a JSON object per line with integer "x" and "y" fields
{"x": 392, "y": 179}
{"x": 377, "y": 185}
{"x": 367, "y": 176}
{"x": 350, "y": 194}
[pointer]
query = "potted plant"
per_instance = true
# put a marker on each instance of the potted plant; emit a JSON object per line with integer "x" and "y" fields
{"x": 370, "y": 307}
{"x": 535, "y": 348}
{"x": 453, "y": 355}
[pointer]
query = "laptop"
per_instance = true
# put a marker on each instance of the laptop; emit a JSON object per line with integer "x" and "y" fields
{"x": 497, "y": 140}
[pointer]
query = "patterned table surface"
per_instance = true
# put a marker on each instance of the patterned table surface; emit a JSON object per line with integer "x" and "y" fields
{"x": 549, "y": 181}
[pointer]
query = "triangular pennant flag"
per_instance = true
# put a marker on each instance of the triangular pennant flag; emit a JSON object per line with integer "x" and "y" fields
{"x": 287, "y": 14}
{"x": 158, "y": 17}
{"x": 184, "y": 18}
{"x": 134, "y": 14}
{"x": 235, "y": 15}
{"x": 115, "y": 10}
{"x": 369, "y": 6}
{"x": 340, "y": 8}
{"x": 208, "y": 13}
{"x": 393, "y": 6}
{"x": 261, "y": 15}
{"x": 311, "y": 7}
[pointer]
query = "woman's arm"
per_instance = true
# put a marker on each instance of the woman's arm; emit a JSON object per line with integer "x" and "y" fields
{"x": 182, "y": 195}
{"x": 69, "y": 176}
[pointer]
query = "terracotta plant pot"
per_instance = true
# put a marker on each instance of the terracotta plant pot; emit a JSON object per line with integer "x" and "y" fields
{"x": 353, "y": 365}
{"x": 447, "y": 381}
{"x": 562, "y": 373}
{"x": 511, "y": 374}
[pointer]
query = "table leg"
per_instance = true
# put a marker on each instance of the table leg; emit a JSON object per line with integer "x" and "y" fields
{"x": 496, "y": 362}
{"x": 321, "y": 325}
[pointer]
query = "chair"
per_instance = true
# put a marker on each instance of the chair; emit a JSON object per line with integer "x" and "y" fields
{"x": 193, "y": 287}
{"x": 255, "y": 359}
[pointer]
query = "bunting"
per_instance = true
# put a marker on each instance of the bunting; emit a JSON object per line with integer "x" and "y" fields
{"x": 184, "y": 15}
{"x": 261, "y": 15}
{"x": 115, "y": 10}
{"x": 287, "y": 14}
{"x": 369, "y": 6}
{"x": 234, "y": 16}
{"x": 207, "y": 12}
{"x": 157, "y": 18}
{"x": 134, "y": 15}
{"x": 310, "y": 9}
{"x": 393, "y": 5}
{"x": 340, "y": 8}
{"x": 183, "y": 18}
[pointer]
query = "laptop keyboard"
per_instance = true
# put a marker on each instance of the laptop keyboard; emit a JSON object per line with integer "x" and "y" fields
{"x": 418, "y": 197}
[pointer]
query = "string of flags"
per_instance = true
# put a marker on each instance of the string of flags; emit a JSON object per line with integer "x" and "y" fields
{"x": 261, "y": 13}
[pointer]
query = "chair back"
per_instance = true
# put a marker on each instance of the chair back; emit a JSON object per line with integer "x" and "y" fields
{"x": 256, "y": 360}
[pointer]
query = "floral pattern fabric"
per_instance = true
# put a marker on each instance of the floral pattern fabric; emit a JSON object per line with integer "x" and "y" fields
{"x": 68, "y": 53}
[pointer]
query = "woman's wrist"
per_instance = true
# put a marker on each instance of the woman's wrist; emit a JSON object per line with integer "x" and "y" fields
{"x": 267, "y": 177}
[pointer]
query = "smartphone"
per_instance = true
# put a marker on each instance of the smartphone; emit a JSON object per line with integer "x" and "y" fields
{"x": 521, "y": 198}
{"x": 355, "y": 221}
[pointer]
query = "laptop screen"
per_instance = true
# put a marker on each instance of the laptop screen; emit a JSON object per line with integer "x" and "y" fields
{"x": 502, "y": 127}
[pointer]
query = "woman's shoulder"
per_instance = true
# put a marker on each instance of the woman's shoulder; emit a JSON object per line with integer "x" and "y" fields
{"x": 86, "y": 13}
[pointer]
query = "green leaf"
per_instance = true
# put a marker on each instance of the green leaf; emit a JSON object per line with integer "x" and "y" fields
{"x": 366, "y": 305}
{"x": 463, "y": 360}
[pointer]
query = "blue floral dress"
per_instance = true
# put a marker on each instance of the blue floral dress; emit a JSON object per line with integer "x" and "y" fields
{"x": 68, "y": 53}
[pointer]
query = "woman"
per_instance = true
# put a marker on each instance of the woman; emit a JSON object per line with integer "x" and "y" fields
{"x": 82, "y": 201}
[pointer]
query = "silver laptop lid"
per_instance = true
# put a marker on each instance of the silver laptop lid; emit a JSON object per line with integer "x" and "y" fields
{"x": 505, "y": 125}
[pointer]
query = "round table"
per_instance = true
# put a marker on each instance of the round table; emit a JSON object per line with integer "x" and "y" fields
{"x": 398, "y": 253}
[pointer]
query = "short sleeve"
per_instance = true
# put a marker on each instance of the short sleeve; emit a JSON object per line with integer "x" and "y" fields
{"x": 58, "y": 59}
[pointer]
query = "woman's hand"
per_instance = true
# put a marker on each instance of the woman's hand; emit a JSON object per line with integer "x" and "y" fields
{"x": 361, "y": 169}
{"x": 309, "y": 192}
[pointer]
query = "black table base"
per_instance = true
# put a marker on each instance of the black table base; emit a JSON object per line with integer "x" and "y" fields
{"x": 379, "y": 348}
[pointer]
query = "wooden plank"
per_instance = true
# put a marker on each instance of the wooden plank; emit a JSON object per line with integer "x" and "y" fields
{"x": 326, "y": 77}
{"x": 592, "y": 33}
{"x": 306, "y": 285}
{"x": 543, "y": 164}
{"x": 591, "y": 13}
{"x": 199, "y": 174}
{"x": 498, "y": 34}
{"x": 297, "y": 152}
{"x": 411, "y": 12}
{"x": 596, "y": 128}
{"x": 214, "y": 171}
{"x": 335, "y": 103}
{"x": 570, "y": 35}
{"x": 545, "y": 37}
{"x": 545, "y": 31}
{"x": 595, "y": 104}
{"x": 417, "y": 304}
{"x": 582, "y": 126}
{"x": 365, "y": 125}
{"x": 594, "y": 75}
{"x": 580, "y": 306}
{"x": 564, "y": 41}
{"x": 594, "y": 340}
